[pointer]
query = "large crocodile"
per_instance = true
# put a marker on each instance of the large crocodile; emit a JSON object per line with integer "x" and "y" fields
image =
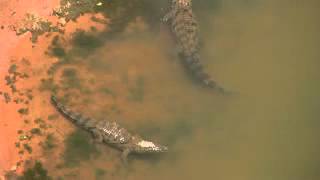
{"x": 184, "y": 27}
{"x": 109, "y": 132}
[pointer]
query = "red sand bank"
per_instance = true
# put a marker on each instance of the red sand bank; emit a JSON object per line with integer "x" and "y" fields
{"x": 12, "y": 12}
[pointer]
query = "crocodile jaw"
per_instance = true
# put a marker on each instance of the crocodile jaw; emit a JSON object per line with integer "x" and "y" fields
{"x": 183, "y": 3}
{"x": 148, "y": 146}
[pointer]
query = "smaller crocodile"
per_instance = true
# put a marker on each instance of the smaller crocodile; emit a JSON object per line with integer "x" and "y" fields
{"x": 109, "y": 132}
{"x": 184, "y": 27}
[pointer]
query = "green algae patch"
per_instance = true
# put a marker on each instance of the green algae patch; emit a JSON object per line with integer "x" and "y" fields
{"x": 50, "y": 142}
{"x": 35, "y": 131}
{"x": 79, "y": 147}
{"x": 48, "y": 85}
{"x": 86, "y": 40}
{"x": 28, "y": 148}
{"x": 53, "y": 117}
{"x": 100, "y": 173}
{"x": 37, "y": 172}
{"x": 70, "y": 78}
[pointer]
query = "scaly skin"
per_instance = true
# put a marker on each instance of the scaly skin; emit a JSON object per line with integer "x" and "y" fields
{"x": 184, "y": 27}
{"x": 109, "y": 132}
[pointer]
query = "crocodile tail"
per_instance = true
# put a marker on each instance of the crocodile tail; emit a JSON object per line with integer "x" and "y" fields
{"x": 76, "y": 118}
{"x": 196, "y": 69}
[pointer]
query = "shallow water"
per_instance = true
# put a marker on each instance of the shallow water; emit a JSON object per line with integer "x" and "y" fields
{"x": 265, "y": 51}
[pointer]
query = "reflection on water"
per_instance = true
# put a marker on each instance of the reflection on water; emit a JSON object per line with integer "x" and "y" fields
{"x": 265, "y": 50}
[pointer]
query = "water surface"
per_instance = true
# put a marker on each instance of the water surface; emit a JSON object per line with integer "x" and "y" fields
{"x": 266, "y": 51}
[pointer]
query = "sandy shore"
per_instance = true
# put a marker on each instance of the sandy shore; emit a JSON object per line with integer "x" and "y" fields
{"x": 11, "y": 13}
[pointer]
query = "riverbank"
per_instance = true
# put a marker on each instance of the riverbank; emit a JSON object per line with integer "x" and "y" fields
{"x": 12, "y": 12}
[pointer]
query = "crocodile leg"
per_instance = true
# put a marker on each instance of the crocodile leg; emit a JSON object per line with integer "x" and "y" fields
{"x": 167, "y": 17}
{"x": 124, "y": 156}
{"x": 97, "y": 136}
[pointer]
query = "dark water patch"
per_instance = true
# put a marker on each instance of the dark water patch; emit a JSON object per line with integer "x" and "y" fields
{"x": 35, "y": 131}
{"x": 79, "y": 148}
{"x": 100, "y": 173}
{"x": 84, "y": 42}
{"x": 70, "y": 79}
{"x": 49, "y": 143}
{"x": 37, "y": 172}
{"x": 48, "y": 85}
{"x": 56, "y": 48}
{"x": 27, "y": 147}
{"x": 121, "y": 12}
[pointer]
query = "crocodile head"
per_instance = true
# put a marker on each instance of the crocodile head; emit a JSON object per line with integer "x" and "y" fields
{"x": 182, "y": 3}
{"x": 143, "y": 146}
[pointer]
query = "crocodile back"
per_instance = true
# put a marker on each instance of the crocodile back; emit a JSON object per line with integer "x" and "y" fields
{"x": 185, "y": 27}
{"x": 112, "y": 133}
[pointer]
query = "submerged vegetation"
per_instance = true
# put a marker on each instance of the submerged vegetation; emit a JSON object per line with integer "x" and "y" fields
{"x": 53, "y": 116}
{"x": 100, "y": 173}
{"x": 48, "y": 85}
{"x": 28, "y": 148}
{"x": 78, "y": 148}
{"x": 84, "y": 43}
{"x": 49, "y": 143}
{"x": 35, "y": 131}
{"x": 37, "y": 172}
{"x": 23, "y": 111}
{"x": 56, "y": 48}
{"x": 70, "y": 78}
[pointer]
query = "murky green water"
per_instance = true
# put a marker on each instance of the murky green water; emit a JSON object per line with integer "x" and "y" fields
{"x": 266, "y": 51}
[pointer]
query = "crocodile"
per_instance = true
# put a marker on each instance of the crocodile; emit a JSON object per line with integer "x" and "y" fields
{"x": 184, "y": 27}
{"x": 110, "y": 133}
